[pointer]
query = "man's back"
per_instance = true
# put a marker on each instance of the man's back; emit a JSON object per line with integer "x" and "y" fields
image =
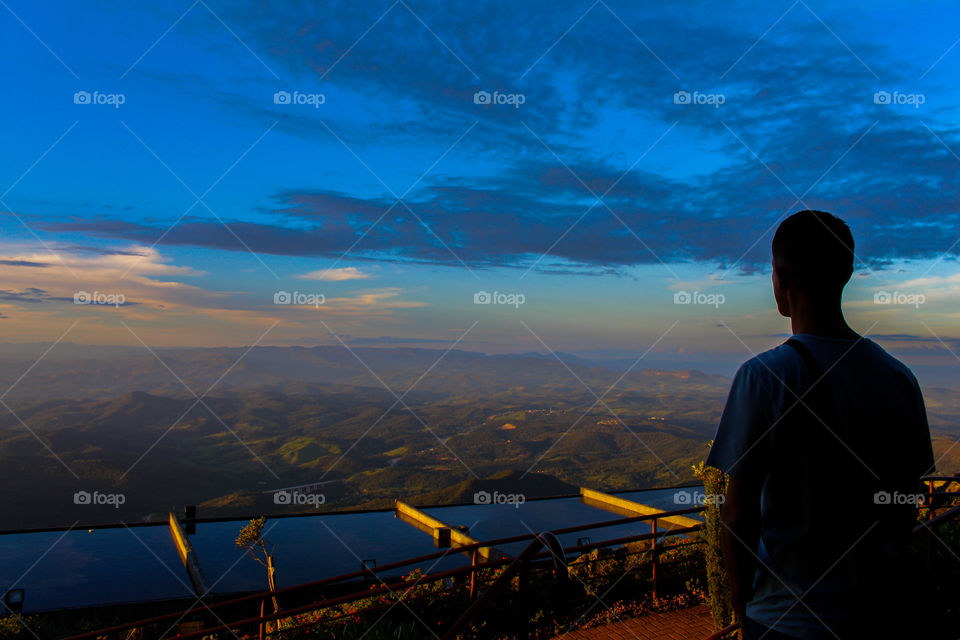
{"x": 832, "y": 467}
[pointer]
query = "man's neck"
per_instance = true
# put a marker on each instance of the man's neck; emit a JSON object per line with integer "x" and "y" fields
{"x": 824, "y": 319}
{"x": 833, "y": 326}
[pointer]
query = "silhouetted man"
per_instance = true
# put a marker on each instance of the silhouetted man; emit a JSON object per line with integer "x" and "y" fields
{"x": 824, "y": 438}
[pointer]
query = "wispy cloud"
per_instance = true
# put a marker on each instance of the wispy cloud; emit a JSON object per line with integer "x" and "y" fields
{"x": 336, "y": 275}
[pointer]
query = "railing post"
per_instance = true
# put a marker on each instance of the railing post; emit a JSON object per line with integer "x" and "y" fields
{"x": 653, "y": 552}
{"x": 263, "y": 624}
{"x": 473, "y": 573}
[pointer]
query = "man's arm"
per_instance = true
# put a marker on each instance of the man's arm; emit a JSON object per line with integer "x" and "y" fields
{"x": 739, "y": 537}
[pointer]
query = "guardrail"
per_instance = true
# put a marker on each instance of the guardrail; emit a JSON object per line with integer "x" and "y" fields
{"x": 520, "y": 566}
{"x": 468, "y": 574}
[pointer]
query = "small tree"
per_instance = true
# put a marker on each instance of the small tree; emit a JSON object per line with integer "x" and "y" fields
{"x": 715, "y": 483}
{"x": 253, "y": 543}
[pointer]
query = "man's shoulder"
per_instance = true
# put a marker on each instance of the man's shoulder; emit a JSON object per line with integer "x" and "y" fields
{"x": 768, "y": 365}
{"x": 782, "y": 361}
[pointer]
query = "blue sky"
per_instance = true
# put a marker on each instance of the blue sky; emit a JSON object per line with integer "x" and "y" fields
{"x": 653, "y": 150}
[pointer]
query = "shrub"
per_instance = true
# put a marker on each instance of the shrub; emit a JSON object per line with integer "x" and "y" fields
{"x": 715, "y": 483}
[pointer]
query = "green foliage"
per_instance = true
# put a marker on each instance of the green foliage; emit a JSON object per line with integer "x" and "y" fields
{"x": 17, "y": 627}
{"x": 251, "y": 535}
{"x": 253, "y": 543}
{"x": 715, "y": 484}
{"x": 386, "y": 630}
{"x": 601, "y": 572}
{"x": 56, "y": 625}
{"x": 432, "y": 603}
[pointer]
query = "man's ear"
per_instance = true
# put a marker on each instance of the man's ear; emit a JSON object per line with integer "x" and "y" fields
{"x": 783, "y": 277}
{"x": 781, "y": 284}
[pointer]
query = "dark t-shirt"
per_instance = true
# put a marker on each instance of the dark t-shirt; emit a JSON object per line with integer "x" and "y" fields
{"x": 839, "y": 478}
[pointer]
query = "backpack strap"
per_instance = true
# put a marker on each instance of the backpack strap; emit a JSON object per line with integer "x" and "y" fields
{"x": 807, "y": 357}
{"x": 815, "y": 392}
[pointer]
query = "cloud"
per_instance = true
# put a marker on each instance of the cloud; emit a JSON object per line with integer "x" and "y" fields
{"x": 22, "y": 263}
{"x": 401, "y": 340}
{"x": 336, "y": 275}
{"x": 141, "y": 277}
{"x": 31, "y": 295}
{"x": 798, "y": 120}
{"x": 372, "y": 300}
{"x": 536, "y": 207}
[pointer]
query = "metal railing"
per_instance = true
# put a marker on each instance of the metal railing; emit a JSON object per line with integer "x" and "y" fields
{"x": 518, "y": 567}
{"x": 468, "y": 573}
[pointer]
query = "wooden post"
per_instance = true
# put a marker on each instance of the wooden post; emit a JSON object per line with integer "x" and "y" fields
{"x": 473, "y": 573}
{"x": 262, "y": 623}
{"x": 653, "y": 551}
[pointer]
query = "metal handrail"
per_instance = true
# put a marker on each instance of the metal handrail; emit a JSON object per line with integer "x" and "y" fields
{"x": 936, "y": 521}
{"x": 385, "y": 588}
{"x": 389, "y": 567}
{"x": 200, "y": 607}
{"x": 723, "y": 633}
{"x": 522, "y": 561}
{"x": 514, "y": 565}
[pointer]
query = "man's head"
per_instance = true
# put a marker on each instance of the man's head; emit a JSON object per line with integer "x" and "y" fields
{"x": 812, "y": 260}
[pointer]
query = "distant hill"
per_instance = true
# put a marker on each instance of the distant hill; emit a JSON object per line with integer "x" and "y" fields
{"x": 283, "y": 417}
{"x": 533, "y": 485}
{"x": 88, "y": 373}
